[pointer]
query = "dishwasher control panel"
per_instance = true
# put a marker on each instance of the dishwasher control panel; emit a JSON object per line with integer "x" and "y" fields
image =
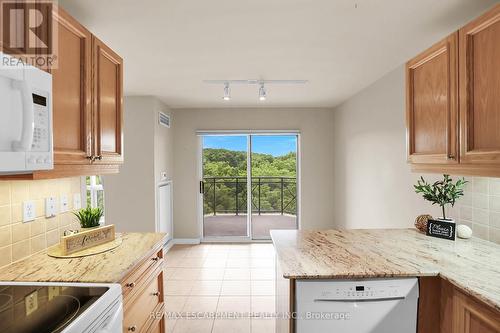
{"x": 354, "y": 290}
{"x": 361, "y": 291}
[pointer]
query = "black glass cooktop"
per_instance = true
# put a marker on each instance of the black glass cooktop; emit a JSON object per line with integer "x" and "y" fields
{"x": 43, "y": 309}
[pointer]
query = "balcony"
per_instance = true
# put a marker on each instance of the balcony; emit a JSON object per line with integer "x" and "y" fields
{"x": 274, "y": 205}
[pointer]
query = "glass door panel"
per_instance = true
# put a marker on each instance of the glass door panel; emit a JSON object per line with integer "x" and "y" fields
{"x": 274, "y": 183}
{"x": 224, "y": 186}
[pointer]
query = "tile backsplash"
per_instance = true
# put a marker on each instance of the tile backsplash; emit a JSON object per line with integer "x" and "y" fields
{"x": 479, "y": 208}
{"x": 19, "y": 240}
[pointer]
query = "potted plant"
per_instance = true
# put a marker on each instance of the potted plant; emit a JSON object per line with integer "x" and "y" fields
{"x": 443, "y": 192}
{"x": 89, "y": 217}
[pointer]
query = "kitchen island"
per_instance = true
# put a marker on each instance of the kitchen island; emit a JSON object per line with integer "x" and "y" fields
{"x": 450, "y": 273}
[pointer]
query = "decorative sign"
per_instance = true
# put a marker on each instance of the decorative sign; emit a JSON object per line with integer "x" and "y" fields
{"x": 441, "y": 229}
{"x": 86, "y": 239}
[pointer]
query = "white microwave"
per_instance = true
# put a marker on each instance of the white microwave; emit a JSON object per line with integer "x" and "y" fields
{"x": 25, "y": 118}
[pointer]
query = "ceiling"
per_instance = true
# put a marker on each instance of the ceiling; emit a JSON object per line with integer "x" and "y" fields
{"x": 340, "y": 46}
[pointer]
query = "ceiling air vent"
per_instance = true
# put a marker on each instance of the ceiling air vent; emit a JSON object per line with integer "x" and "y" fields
{"x": 164, "y": 119}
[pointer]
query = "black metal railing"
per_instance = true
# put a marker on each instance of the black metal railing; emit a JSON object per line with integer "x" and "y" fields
{"x": 270, "y": 194}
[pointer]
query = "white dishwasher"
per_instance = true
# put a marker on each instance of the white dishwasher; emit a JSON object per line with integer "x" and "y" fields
{"x": 357, "y": 306}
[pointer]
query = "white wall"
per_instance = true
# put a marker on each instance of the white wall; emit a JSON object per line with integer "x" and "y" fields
{"x": 315, "y": 126}
{"x": 373, "y": 185}
{"x": 131, "y": 195}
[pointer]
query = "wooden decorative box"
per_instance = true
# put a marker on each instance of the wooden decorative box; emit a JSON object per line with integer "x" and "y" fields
{"x": 87, "y": 239}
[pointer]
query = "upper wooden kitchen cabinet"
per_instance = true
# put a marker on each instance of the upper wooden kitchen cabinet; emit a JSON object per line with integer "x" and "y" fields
{"x": 107, "y": 104}
{"x": 453, "y": 102}
{"x": 71, "y": 86}
{"x": 432, "y": 110}
{"x": 480, "y": 89}
{"x": 87, "y": 103}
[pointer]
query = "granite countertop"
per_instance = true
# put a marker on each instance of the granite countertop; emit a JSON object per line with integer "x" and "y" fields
{"x": 473, "y": 265}
{"x": 108, "y": 267}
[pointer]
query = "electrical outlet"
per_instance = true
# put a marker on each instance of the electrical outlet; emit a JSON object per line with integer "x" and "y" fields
{"x": 77, "y": 201}
{"x": 29, "y": 211}
{"x": 50, "y": 207}
{"x": 53, "y": 292}
{"x": 64, "y": 203}
{"x": 31, "y": 302}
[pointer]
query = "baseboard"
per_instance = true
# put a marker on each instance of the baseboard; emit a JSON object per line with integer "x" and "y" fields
{"x": 193, "y": 241}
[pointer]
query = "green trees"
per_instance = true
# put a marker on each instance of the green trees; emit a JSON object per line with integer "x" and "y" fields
{"x": 225, "y": 173}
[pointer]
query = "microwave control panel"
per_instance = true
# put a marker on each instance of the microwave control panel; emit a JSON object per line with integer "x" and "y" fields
{"x": 41, "y": 150}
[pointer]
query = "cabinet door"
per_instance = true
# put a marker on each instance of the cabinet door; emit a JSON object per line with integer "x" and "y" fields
{"x": 472, "y": 317}
{"x": 71, "y": 85}
{"x": 108, "y": 100}
{"x": 479, "y": 89}
{"x": 431, "y": 104}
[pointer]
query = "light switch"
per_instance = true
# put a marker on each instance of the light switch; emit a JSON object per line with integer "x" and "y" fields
{"x": 50, "y": 207}
{"x": 29, "y": 211}
{"x": 77, "y": 201}
{"x": 64, "y": 203}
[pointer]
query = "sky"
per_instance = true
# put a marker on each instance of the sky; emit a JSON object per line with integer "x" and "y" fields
{"x": 276, "y": 145}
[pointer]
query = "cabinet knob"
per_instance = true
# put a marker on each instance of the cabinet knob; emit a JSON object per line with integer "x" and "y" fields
{"x": 451, "y": 157}
{"x": 156, "y": 294}
{"x": 155, "y": 258}
{"x": 132, "y": 328}
{"x": 99, "y": 157}
{"x": 131, "y": 284}
{"x": 91, "y": 158}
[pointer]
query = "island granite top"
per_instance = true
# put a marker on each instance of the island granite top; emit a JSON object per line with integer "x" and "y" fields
{"x": 473, "y": 264}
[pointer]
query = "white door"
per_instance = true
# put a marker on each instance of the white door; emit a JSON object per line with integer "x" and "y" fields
{"x": 165, "y": 209}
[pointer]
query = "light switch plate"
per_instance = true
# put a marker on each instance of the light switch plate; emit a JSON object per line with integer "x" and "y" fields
{"x": 77, "y": 201}
{"x": 50, "y": 207}
{"x": 64, "y": 203}
{"x": 29, "y": 211}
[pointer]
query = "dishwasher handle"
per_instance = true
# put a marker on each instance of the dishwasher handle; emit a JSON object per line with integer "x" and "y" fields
{"x": 350, "y": 300}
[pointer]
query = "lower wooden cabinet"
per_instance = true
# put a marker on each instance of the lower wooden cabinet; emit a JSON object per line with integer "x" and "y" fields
{"x": 143, "y": 296}
{"x": 444, "y": 308}
{"x": 471, "y": 316}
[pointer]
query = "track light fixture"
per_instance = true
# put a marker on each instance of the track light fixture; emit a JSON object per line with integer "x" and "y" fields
{"x": 262, "y": 92}
{"x": 261, "y": 83}
{"x": 227, "y": 92}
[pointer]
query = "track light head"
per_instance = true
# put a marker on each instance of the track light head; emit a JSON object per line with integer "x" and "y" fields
{"x": 227, "y": 92}
{"x": 262, "y": 92}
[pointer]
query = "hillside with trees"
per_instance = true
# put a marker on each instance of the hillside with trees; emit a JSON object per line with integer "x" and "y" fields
{"x": 270, "y": 175}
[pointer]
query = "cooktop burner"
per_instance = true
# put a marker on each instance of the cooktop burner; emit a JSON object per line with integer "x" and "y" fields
{"x": 43, "y": 309}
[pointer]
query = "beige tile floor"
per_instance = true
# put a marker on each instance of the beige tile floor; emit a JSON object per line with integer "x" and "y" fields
{"x": 220, "y": 288}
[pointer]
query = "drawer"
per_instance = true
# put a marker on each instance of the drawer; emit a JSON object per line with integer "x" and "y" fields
{"x": 139, "y": 312}
{"x": 131, "y": 283}
{"x": 157, "y": 324}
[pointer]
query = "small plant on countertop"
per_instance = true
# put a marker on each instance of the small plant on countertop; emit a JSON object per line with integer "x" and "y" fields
{"x": 443, "y": 192}
{"x": 89, "y": 217}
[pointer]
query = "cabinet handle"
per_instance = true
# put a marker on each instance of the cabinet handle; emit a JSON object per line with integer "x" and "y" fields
{"x": 132, "y": 328}
{"x": 130, "y": 285}
{"x": 156, "y": 294}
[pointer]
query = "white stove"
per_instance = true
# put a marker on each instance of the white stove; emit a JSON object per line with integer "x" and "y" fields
{"x": 28, "y": 307}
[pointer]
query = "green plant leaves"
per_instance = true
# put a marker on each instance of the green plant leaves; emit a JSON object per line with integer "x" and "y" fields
{"x": 442, "y": 192}
{"x": 89, "y": 217}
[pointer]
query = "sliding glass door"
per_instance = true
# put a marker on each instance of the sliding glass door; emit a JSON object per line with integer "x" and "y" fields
{"x": 224, "y": 186}
{"x": 274, "y": 183}
{"x": 244, "y": 173}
